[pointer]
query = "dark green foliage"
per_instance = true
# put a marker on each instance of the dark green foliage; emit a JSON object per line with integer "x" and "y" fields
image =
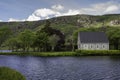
{"x": 26, "y": 38}
{"x": 53, "y": 40}
{"x": 50, "y": 31}
{"x": 47, "y": 23}
{"x": 114, "y": 36}
{"x": 12, "y": 43}
{"x": 41, "y": 40}
{"x": 10, "y": 74}
{"x": 4, "y": 34}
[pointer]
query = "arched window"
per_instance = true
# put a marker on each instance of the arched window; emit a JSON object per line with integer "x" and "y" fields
{"x": 79, "y": 46}
{"x": 97, "y": 46}
{"x": 91, "y": 46}
{"x": 103, "y": 46}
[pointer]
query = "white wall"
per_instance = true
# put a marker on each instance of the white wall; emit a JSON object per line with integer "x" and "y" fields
{"x": 93, "y": 46}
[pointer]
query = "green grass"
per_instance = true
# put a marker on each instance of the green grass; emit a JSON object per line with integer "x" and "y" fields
{"x": 98, "y": 52}
{"x": 42, "y": 54}
{"x": 60, "y": 54}
{"x": 10, "y": 74}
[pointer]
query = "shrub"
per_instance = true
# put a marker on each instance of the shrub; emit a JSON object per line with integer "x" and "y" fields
{"x": 10, "y": 74}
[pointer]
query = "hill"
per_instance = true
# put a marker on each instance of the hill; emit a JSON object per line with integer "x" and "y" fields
{"x": 64, "y": 27}
{"x": 67, "y": 24}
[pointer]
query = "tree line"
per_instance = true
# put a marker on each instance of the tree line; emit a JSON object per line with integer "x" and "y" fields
{"x": 40, "y": 40}
{"x": 32, "y": 41}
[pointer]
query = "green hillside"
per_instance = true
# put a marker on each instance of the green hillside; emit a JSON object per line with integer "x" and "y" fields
{"x": 66, "y": 25}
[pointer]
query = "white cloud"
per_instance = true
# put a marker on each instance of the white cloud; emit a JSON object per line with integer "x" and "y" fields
{"x": 102, "y": 8}
{"x": 112, "y": 8}
{"x": 72, "y": 12}
{"x": 15, "y": 20}
{"x": 1, "y": 20}
{"x": 45, "y": 12}
{"x": 33, "y": 18}
{"x": 59, "y": 10}
{"x": 42, "y": 14}
{"x": 58, "y": 7}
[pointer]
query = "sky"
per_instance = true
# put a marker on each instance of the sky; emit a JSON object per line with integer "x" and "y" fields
{"x": 33, "y": 10}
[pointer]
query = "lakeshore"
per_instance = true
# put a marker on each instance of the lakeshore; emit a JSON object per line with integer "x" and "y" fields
{"x": 60, "y": 54}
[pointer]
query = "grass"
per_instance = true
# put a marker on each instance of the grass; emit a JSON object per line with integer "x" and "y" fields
{"x": 98, "y": 52}
{"x": 60, "y": 54}
{"x": 10, "y": 74}
{"x": 42, "y": 54}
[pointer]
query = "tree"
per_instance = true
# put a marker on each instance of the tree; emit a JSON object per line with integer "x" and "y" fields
{"x": 41, "y": 40}
{"x": 114, "y": 36}
{"x": 70, "y": 43}
{"x": 13, "y": 44}
{"x": 4, "y": 34}
{"x": 27, "y": 38}
{"x": 53, "y": 41}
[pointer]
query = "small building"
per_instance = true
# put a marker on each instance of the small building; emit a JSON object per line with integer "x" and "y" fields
{"x": 93, "y": 41}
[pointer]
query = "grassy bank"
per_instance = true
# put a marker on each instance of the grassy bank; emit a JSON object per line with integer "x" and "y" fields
{"x": 98, "y": 52}
{"x": 76, "y": 53}
{"x": 10, "y": 74}
{"x": 42, "y": 54}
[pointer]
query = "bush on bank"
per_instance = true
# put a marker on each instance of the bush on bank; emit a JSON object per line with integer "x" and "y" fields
{"x": 10, "y": 74}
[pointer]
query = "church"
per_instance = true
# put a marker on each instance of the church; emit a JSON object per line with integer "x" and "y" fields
{"x": 92, "y": 41}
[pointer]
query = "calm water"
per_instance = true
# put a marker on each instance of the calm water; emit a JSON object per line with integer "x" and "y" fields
{"x": 65, "y": 68}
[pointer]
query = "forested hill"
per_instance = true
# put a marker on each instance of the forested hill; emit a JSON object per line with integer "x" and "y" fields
{"x": 59, "y": 30}
{"x": 67, "y": 24}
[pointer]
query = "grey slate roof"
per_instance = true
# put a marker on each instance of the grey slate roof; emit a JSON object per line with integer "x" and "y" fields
{"x": 93, "y": 37}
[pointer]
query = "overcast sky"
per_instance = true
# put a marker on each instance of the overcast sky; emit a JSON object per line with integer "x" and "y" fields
{"x": 31, "y": 10}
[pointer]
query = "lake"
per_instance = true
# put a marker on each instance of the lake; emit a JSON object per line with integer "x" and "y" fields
{"x": 64, "y": 68}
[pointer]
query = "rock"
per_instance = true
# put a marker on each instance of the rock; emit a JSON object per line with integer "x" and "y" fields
{"x": 115, "y": 22}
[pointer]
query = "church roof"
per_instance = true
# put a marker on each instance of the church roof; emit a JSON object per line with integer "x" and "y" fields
{"x": 93, "y": 37}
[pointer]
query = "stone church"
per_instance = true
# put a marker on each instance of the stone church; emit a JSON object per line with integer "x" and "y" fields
{"x": 93, "y": 41}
